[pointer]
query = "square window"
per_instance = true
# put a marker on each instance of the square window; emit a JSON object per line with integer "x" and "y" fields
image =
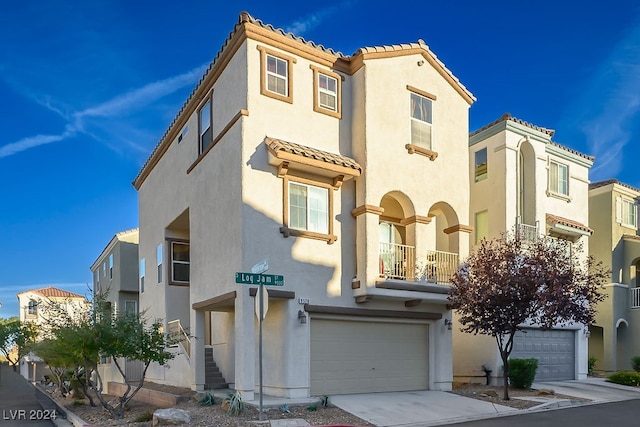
{"x": 308, "y": 208}
{"x": 481, "y": 165}
{"x": 627, "y": 212}
{"x": 276, "y": 74}
{"x": 131, "y": 307}
{"x": 421, "y": 121}
{"x": 327, "y": 92}
{"x": 558, "y": 178}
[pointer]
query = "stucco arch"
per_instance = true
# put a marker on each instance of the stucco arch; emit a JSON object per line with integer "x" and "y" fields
{"x": 526, "y": 193}
{"x": 446, "y": 210}
{"x": 397, "y": 204}
{"x": 622, "y": 322}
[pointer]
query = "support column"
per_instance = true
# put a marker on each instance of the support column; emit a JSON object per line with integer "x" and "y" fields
{"x": 367, "y": 248}
{"x": 197, "y": 350}
{"x": 245, "y": 346}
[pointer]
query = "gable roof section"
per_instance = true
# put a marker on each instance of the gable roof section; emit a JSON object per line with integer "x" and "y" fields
{"x": 51, "y": 292}
{"x": 249, "y": 27}
{"x": 569, "y": 223}
{"x": 599, "y": 184}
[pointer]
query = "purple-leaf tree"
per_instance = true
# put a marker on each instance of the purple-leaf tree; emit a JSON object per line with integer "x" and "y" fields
{"x": 507, "y": 283}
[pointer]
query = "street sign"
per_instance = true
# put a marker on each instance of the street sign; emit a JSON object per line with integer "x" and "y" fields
{"x": 259, "y": 279}
{"x": 265, "y": 304}
{"x": 260, "y": 267}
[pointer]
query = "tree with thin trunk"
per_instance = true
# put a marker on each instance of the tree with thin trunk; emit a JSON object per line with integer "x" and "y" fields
{"x": 16, "y": 339}
{"x": 508, "y": 283}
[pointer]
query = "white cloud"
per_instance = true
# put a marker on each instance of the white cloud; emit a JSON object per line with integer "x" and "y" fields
{"x": 122, "y": 104}
{"x": 614, "y": 94}
{"x": 316, "y": 18}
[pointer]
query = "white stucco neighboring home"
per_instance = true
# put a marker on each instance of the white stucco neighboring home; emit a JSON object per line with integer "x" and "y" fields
{"x": 345, "y": 173}
{"x": 613, "y": 210}
{"x": 523, "y": 181}
{"x": 34, "y": 307}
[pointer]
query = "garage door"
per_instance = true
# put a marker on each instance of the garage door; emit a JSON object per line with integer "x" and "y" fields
{"x": 554, "y": 349}
{"x": 361, "y": 357}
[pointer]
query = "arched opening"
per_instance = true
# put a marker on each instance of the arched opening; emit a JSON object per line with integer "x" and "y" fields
{"x": 526, "y": 186}
{"x": 441, "y": 257}
{"x": 623, "y": 358}
{"x": 397, "y": 257}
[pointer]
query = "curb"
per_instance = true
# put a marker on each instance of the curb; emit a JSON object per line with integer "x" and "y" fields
{"x": 65, "y": 414}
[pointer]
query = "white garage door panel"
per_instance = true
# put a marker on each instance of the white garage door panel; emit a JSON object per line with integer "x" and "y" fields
{"x": 554, "y": 349}
{"x": 360, "y": 357}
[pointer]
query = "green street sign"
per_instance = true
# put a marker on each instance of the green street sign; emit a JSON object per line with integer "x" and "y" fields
{"x": 259, "y": 279}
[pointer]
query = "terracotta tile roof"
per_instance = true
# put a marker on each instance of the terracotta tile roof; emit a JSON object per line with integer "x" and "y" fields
{"x": 508, "y": 116}
{"x": 568, "y": 222}
{"x": 599, "y": 184}
{"x": 51, "y": 292}
{"x": 276, "y": 145}
{"x": 547, "y": 131}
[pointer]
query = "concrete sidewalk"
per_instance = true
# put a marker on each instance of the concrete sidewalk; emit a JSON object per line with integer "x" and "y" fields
{"x": 19, "y": 401}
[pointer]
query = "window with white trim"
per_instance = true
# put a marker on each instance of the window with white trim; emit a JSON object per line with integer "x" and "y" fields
{"x": 32, "y": 307}
{"x": 180, "y": 263}
{"x": 159, "y": 261}
{"x": 308, "y": 207}
{"x": 142, "y": 274}
{"x": 327, "y": 92}
{"x": 558, "y": 178}
{"x": 277, "y": 75}
{"x": 481, "y": 165}
{"x": 204, "y": 126}
{"x": 421, "y": 121}
{"x": 110, "y": 266}
{"x": 626, "y": 212}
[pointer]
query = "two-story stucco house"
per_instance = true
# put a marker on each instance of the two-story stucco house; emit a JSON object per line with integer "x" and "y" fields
{"x": 613, "y": 211}
{"x": 35, "y": 307}
{"x": 343, "y": 172}
{"x": 522, "y": 181}
{"x": 115, "y": 279}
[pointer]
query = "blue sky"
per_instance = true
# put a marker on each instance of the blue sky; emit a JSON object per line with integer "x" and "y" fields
{"x": 88, "y": 88}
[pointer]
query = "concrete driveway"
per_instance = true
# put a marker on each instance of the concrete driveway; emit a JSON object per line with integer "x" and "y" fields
{"x": 430, "y": 408}
{"x": 422, "y": 408}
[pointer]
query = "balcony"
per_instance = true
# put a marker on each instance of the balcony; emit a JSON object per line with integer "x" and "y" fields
{"x": 399, "y": 262}
{"x": 526, "y": 233}
{"x": 634, "y": 297}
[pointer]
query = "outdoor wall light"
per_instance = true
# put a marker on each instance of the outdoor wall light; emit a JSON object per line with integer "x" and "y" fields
{"x": 587, "y": 332}
{"x": 302, "y": 317}
{"x": 448, "y": 323}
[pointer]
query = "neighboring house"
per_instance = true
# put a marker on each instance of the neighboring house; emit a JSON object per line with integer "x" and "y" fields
{"x": 115, "y": 277}
{"x": 35, "y": 307}
{"x": 522, "y": 181}
{"x": 343, "y": 171}
{"x": 613, "y": 210}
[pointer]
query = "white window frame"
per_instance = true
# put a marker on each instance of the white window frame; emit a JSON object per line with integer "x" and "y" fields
{"x": 32, "y": 307}
{"x": 421, "y": 121}
{"x": 110, "y": 266}
{"x": 556, "y": 184}
{"x": 309, "y": 210}
{"x": 205, "y": 131}
{"x": 623, "y": 216}
{"x": 142, "y": 274}
{"x": 172, "y": 278}
{"x": 481, "y": 176}
{"x": 327, "y": 91}
{"x": 159, "y": 262}
{"x": 283, "y": 77}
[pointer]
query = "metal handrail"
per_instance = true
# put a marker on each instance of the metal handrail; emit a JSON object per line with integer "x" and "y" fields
{"x": 175, "y": 328}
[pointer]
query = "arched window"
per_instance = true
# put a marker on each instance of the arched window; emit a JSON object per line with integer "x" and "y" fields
{"x": 32, "y": 308}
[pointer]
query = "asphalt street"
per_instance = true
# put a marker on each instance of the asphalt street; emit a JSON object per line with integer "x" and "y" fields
{"x": 619, "y": 414}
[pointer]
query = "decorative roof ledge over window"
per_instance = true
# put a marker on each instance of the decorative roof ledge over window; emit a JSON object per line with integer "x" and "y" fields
{"x": 566, "y": 227}
{"x": 416, "y": 149}
{"x": 286, "y": 155}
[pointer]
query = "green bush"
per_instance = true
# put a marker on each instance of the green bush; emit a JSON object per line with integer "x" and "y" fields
{"x": 630, "y": 378}
{"x": 207, "y": 399}
{"x": 635, "y": 363}
{"x": 234, "y": 403}
{"x": 522, "y": 372}
{"x": 591, "y": 364}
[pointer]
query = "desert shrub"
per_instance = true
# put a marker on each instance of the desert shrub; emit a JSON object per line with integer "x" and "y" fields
{"x": 630, "y": 378}
{"x": 635, "y": 363}
{"x": 234, "y": 403}
{"x": 522, "y": 372}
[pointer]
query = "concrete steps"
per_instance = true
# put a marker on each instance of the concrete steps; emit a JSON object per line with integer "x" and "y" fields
{"x": 213, "y": 378}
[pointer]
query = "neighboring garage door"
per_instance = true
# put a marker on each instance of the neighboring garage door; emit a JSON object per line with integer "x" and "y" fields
{"x": 361, "y": 357}
{"x": 554, "y": 349}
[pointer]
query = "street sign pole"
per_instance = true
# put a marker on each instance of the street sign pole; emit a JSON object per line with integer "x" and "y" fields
{"x": 261, "y": 291}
